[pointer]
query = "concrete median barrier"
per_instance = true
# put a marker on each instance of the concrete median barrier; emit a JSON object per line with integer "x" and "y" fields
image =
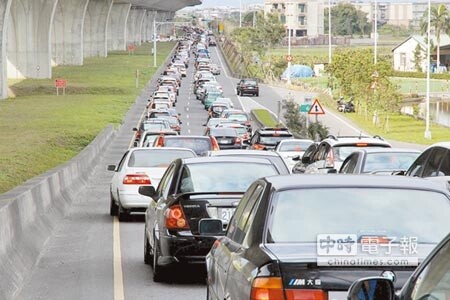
{"x": 30, "y": 212}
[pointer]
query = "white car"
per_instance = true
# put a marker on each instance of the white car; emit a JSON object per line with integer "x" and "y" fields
{"x": 139, "y": 166}
{"x": 290, "y": 148}
{"x": 227, "y": 101}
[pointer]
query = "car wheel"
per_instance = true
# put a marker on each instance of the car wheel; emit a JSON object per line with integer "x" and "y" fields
{"x": 122, "y": 214}
{"x": 208, "y": 294}
{"x": 237, "y": 92}
{"x": 257, "y": 94}
{"x": 148, "y": 258}
{"x": 113, "y": 208}
{"x": 158, "y": 271}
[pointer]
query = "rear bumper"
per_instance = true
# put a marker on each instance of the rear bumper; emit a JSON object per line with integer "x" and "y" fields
{"x": 184, "y": 250}
{"x": 133, "y": 201}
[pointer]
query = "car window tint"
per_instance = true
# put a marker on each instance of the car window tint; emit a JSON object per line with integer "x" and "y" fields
{"x": 360, "y": 211}
{"x": 223, "y": 177}
{"x": 122, "y": 161}
{"x": 445, "y": 165}
{"x": 294, "y": 146}
{"x": 151, "y": 159}
{"x": 432, "y": 165}
{"x": 348, "y": 167}
{"x": 388, "y": 161}
{"x": 164, "y": 181}
{"x": 198, "y": 145}
{"x": 433, "y": 283}
{"x": 166, "y": 187}
{"x": 232, "y": 227}
{"x": 238, "y": 117}
{"x": 418, "y": 166}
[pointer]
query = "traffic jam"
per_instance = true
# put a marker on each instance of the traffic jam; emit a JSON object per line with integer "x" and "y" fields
{"x": 271, "y": 216}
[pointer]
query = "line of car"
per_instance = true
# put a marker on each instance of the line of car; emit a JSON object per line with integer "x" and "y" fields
{"x": 264, "y": 233}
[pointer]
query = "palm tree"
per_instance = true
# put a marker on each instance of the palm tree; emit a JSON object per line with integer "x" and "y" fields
{"x": 440, "y": 20}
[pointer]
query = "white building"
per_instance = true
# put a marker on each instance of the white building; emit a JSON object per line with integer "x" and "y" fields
{"x": 301, "y": 17}
{"x": 404, "y": 53}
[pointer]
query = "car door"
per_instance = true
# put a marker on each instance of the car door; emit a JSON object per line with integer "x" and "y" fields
{"x": 157, "y": 203}
{"x": 118, "y": 177}
{"x": 238, "y": 269}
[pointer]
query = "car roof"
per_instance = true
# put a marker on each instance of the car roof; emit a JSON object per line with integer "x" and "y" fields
{"x": 244, "y": 152}
{"x": 160, "y": 149}
{"x": 225, "y": 159}
{"x": 440, "y": 144}
{"x": 386, "y": 150}
{"x": 349, "y": 181}
{"x": 346, "y": 140}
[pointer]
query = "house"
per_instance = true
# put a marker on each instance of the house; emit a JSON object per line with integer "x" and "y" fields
{"x": 404, "y": 53}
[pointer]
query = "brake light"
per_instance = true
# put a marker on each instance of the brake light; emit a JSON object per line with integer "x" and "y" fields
{"x": 361, "y": 144}
{"x": 258, "y": 147}
{"x": 160, "y": 141}
{"x": 267, "y": 288}
{"x": 214, "y": 144}
{"x": 175, "y": 218}
{"x": 237, "y": 141}
{"x": 248, "y": 123}
{"x": 136, "y": 179}
{"x": 306, "y": 295}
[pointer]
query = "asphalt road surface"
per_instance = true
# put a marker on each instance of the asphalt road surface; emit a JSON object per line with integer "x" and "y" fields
{"x": 93, "y": 256}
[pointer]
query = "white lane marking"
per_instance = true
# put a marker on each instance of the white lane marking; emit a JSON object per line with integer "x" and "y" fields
{"x": 117, "y": 257}
{"x": 187, "y": 108}
{"x": 358, "y": 131}
{"x": 189, "y": 131}
{"x": 226, "y": 75}
{"x": 187, "y": 116}
{"x": 188, "y": 124}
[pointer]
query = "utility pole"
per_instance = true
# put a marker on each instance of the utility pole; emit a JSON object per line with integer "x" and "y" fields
{"x": 154, "y": 40}
{"x": 427, "y": 133}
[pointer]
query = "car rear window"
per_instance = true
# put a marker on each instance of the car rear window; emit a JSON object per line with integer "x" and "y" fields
{"x": 223, "y": 132}
{"x": 300, "y": 215}
{"x": 238, "y": 117}
{"x": 341, "y": 152}
{"x": 222, "y": 176}
{"x": 388, "y": 161}
{"x": 272, "y": 139}
{"x": 198, "y": 145}
{"x": 148, "y": 159}
{"x": 294, "y": 146}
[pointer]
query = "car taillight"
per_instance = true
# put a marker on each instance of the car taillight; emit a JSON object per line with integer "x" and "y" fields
{"x": 160, "y": 141}
{"x": 306, "y": 295}
{"x": 214, "y": 144}
{"x": 267, "y": 288}
{"x": 258, "y": 147}
{"x": 248, "y": 123}
{"x": 175, "y": 218}
{"x": 237, "y": 141}
{"x": 136, "y": 179}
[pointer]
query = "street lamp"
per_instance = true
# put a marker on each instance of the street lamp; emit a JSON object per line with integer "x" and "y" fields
{"x": 427, "y": 133}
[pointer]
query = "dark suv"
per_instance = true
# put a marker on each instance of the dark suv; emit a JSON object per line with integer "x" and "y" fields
{"x": 267, "y": 138}
{"x": 247, "y": 86}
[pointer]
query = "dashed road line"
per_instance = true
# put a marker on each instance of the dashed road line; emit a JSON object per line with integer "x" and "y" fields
{"x": 117, "y": 257}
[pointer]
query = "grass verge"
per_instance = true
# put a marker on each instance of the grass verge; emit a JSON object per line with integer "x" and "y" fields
{"x": 264, "y": 117}
{"x": 39, "y": 131}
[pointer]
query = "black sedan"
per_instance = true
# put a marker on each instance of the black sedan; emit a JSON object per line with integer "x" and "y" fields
{"x": 311, "y": 236}
{"x": 227, "y": 138}
{"x": 190, "y": 190}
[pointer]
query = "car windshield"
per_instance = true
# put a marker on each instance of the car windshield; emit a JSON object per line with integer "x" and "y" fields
{"x": 147, "y": 158}
{"x": 250, "y": 82}
{"x": 294, "y": 146}
{"x": 272, "y": 140}
{"x": 388, "y": 161}
{"x": 361, "y": 211}
{"x": 215, "y": 176}
{"x": 198, "y": 145}
{"x": 155, "y": 126}
{"x": 223, "y": 132}
{"x": 341, "y": 152}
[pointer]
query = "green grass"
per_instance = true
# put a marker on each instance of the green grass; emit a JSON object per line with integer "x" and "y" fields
{"x": 39, "y": 130}
{"x": 323, "y": 50}
{"x": 264, "y": 116}
{"x": 418, "y": 85}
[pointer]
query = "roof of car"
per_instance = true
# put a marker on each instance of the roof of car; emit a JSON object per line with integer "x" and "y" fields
{"x": 225, "y": 159}
{"x": 348, "y": 181}
{"x": 386, "y": 150}
{"x": 440, "y": 144}
{"x": 345, "y": 140}
{"x": 161, "y": 149}
{"x": 243, "y": 152}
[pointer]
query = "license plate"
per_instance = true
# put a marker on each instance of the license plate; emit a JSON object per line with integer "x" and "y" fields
{"x": 337, "y": 295}
{"x": 224, "y": 142}
{"x": 226, "y": 213}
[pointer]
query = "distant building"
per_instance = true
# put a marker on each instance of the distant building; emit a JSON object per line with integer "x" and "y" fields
{"x": 301, "y": 17}
{"x": 404, "y": 52}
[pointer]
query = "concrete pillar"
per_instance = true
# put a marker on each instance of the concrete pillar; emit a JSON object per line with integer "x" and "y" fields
{"x": 135, "y": 22}
{"x": 67, "y": 33}
{"x": 29, "y": 33}
{"x": 96, "y": 28}
{"x": 144, "y": 35}
{"x": 4, "y": 19}
{"x": 117, "y": 27}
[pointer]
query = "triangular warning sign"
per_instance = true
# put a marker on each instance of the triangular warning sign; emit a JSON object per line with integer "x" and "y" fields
{"x": 316, "y": 108}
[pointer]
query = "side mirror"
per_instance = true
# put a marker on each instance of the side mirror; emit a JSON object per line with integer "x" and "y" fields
{"x": 211, "y": 227}
{"x": 148, "y": 191}
{"x": 399, "y": 173}
{"x": 204, "y": 124}
{"x": 135, "y": 129}
{"x": 247, "y": 142}
{"x": 371, "y": 288}
{"x": 111, "y": 168}
{"x": 306, "y": 159}
{"x": 296, "y": 158}
{"x": 135, "y": 144}
{"x": 332, "y": 171}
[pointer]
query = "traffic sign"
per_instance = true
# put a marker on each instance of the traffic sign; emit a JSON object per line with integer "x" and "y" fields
{"x": 305, "y": 108}
{"x": 289, "y": 57}
{"x": 316, "y": 108}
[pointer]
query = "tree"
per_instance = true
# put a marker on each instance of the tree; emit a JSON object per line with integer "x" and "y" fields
{"x": 418, "y": 58}
{"x": 440, "y": 21}
{"x": 347, "y": 20}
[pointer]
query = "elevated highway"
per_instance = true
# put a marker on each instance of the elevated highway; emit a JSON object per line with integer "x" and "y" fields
{"x": 36, "y": 35}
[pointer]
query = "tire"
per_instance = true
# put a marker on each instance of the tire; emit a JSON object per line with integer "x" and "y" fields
{"x": 113, "y": 208}
{"x": 159, "y": 274}
{"x": 122, "y": 214}
{"x": 208, "y": 294}
{"x": 237, "y": 92}
{"x": 148, "y": 257}
{"x": 257, "y": 94}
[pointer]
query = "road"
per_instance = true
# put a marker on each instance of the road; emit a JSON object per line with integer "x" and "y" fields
{"x": 93, "y": 256}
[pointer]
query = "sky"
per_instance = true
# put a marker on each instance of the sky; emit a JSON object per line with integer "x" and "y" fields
{"x": 231, "y": 3}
